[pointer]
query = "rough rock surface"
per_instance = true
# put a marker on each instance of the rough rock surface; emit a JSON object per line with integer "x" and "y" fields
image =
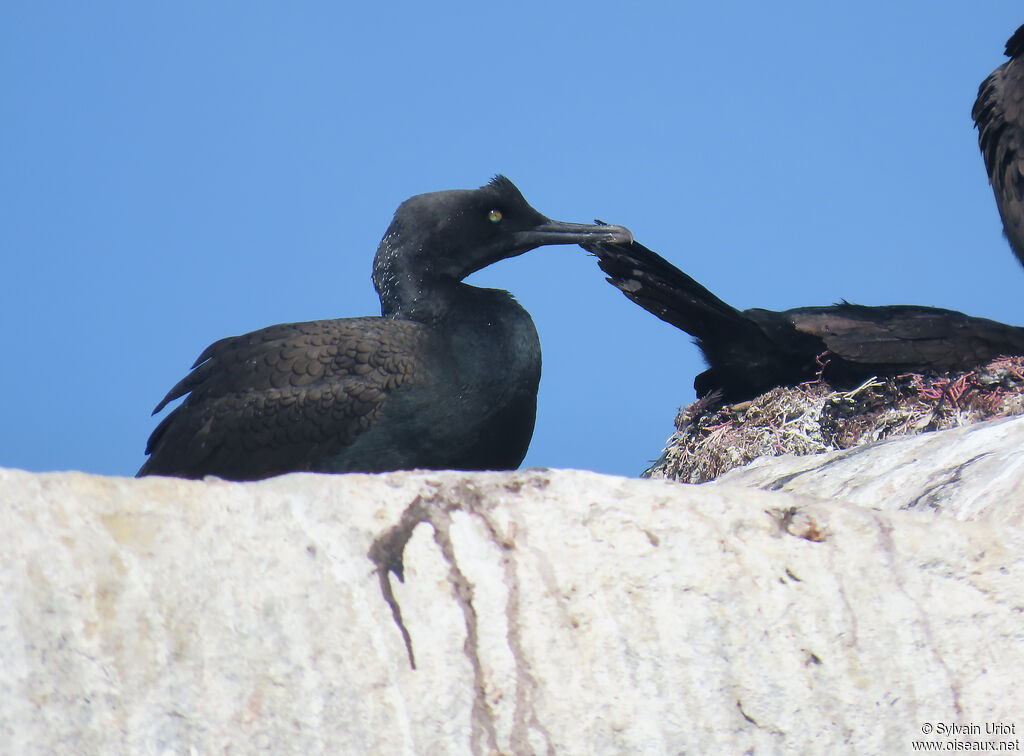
{"x": 548, "y": 611}
{"x": 971, "y": 471}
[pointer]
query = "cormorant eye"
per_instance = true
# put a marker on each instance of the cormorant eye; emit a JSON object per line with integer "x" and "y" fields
{"x": 494, "y": 216}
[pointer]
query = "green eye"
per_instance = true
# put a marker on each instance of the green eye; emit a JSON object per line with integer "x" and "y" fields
{"x": 494, "y": 216}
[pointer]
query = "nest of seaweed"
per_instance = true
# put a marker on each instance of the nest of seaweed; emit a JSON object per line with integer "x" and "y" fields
{"x": 812, "y": 418}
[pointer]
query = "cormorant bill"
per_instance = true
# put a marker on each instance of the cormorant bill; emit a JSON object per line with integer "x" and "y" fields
{"x": 445, "y": 378}
{"x": 999, "y": 115}
{"x": 754, "y": 351}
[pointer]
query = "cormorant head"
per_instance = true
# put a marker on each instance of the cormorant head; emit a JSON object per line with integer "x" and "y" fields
{"x": 445, "y": 236}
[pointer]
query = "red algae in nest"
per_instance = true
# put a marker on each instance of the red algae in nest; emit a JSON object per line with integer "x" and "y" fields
{"x": 813, "y": 418}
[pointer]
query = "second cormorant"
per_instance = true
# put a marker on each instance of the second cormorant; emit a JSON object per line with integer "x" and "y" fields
{"x": 753, "y": 351}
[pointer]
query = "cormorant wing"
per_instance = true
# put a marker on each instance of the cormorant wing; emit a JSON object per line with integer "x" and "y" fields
{"x": 658, "y": 286}
{"x": 907, "y": 337}
{"x": 278, "y": 399}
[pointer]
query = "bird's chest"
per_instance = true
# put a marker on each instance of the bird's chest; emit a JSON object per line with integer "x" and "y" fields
{"x": 472, "y": 401}
{"x": 493, "y": 360}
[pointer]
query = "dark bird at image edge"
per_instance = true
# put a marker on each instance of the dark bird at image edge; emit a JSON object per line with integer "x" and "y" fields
{"x": 999, "y": 115}
{"x": 445, "y": 378}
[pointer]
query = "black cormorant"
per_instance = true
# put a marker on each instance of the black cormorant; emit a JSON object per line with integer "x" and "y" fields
{"x": 999, "y": 115}
{"x": 753, "y": 351}
{"x": 445, "y": 378}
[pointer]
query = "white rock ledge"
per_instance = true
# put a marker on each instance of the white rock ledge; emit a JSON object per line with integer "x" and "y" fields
{"x": 549, "y": 612}
{"x": 968, "y": 472}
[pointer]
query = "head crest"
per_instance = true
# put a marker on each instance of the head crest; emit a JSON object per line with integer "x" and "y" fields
{"x": 502, "y": 184}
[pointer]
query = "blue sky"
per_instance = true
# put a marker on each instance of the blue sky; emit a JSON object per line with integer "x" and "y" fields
{"x": 173, "y": 173}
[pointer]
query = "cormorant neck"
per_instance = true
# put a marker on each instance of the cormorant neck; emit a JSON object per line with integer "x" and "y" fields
{"x": 423, "y": 300}
{"x": 409, "y": 286}
{"x": 406, "y": 288}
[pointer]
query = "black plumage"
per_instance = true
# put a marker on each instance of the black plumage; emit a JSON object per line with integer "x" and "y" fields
{"x": 753, "y": 351}
{"x": 999, "y": 115}
{"x": 446, "y": 377}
